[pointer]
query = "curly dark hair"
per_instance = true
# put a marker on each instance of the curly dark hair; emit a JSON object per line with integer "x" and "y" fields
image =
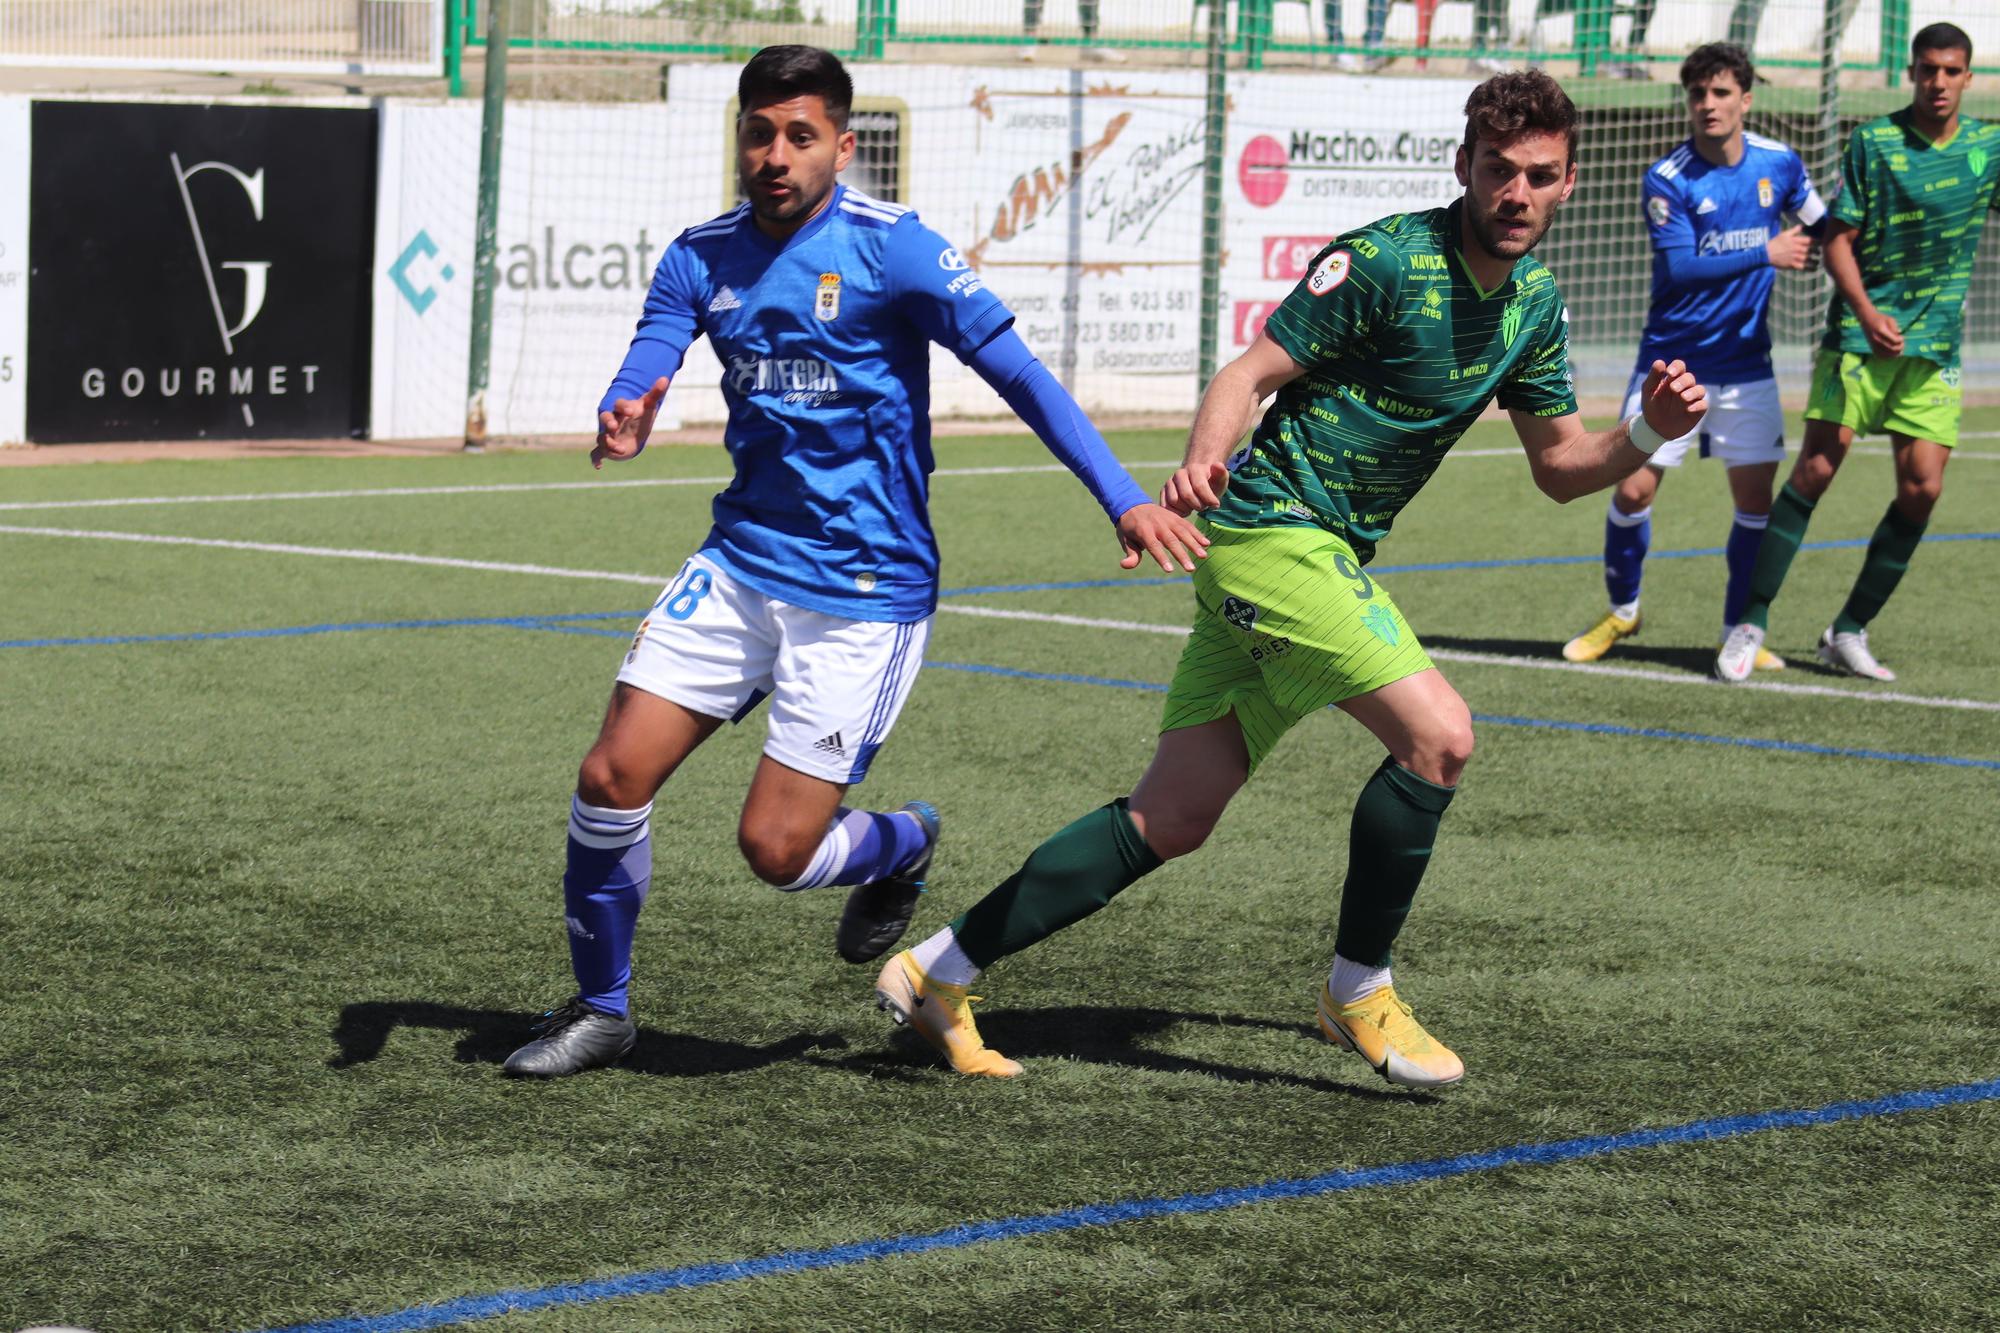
{"x": 1705, "y": 62}
{"x": 1507, "y": 106}
{"x": 780, "y": 73}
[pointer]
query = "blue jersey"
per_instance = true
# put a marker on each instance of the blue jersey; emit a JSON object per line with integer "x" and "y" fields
{"x": 824, "y": 340}
{"x": 1711, "y": 272}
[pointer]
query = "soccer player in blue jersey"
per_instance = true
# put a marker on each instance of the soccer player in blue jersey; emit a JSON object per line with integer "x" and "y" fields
{"x": 1715, "y": 207}
{"x": 816, "y": 586}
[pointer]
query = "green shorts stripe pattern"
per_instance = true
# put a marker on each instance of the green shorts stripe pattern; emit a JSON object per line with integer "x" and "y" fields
{"x": 1287, "y": 623}
{"x": 1904, "y": 394}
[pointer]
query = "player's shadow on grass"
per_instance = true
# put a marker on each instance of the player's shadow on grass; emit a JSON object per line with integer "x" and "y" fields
{"x": 1692, "y": 658}
{"x": 489, "y": 1036}
{"x": 1116, "y": 1036}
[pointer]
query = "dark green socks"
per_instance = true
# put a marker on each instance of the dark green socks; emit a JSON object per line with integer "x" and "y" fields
{"x": 1889, "y": 552}
{"x": 1389, "y": 844}
{"x": 1790, "y": 513}
{"x": 1063, "y": 881}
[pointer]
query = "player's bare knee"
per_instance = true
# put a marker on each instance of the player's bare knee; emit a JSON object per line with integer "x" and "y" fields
{"x": 599, "y": 781}
{"x": 776, "y": 859}
{"x": 1173, "y": 833}
{"x": 1917, "y": 496}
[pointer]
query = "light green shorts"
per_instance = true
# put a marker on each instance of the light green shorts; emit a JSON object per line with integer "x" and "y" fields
{"x": 1904, "y": 394}
{"x": 1288, "y": 622}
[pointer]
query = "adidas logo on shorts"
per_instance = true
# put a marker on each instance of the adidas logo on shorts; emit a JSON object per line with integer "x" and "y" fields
{"x": 831, "y": 745}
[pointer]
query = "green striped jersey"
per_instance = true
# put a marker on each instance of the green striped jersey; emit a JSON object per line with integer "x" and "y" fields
{"x": 1920, "y": 207}
{"x": 1401, "y": 351}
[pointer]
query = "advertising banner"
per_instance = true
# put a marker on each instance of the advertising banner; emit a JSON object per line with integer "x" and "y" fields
{"x": 1310, "y": 157}
{"x": 1076, "y": 197}
{"x": 589, "y": 196}
{"x": 198, "y": 271}
{"x": 13, "y": 270}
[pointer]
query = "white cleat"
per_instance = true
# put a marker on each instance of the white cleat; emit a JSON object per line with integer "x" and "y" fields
{"x": 1849, "y": 652}
{"x": 1738, "y": 657}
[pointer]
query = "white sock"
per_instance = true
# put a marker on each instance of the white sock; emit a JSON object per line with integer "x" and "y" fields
{"x": 1619, "y": 518}
{"x": 1350, "y": 981}
{"x": 943, "y": 961}
{"x": 1626, "y": 610}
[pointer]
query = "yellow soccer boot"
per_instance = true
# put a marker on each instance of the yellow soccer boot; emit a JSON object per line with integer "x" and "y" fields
{"x": 1379, "y": 1028}
{"x": 941, "y": 1014}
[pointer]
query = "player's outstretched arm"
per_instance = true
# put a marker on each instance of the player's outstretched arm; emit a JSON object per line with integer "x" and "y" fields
{"x": 1229, "y": 407}
{"x": 1026, "y": 385}
{"x": 623, "y": 427}
{"x": 1569, "y": 461}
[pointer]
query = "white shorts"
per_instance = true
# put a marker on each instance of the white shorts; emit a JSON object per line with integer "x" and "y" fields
{"x": 1745, "y": 425}
{"x": 718, "y": 648}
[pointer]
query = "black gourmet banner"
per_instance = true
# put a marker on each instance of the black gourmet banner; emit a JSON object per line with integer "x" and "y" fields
{"x": 198, "y": 271}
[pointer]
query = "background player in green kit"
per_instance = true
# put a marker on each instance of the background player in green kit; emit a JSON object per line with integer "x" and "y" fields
{"x": 1393, "y": 345}
{"x": 1915, "y": 189}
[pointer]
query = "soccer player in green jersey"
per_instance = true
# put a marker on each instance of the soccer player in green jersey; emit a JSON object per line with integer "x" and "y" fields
{"x": 1915, "y": 188}
{"x": 1380, "y": 359}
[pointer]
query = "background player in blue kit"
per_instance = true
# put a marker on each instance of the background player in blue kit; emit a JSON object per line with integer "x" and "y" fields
{"x": 1715, "y": 207}
{"x": 817, "y": 583}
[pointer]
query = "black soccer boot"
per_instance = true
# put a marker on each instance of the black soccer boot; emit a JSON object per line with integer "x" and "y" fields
{"x": 572, "y": 1039}
{"x": 879, "y": 912}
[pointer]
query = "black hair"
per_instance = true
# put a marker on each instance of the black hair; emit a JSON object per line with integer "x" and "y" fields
{"x": 1941, "y": 37}
{"x": 1705, "y": 62}
{"x": 780, "y": 73}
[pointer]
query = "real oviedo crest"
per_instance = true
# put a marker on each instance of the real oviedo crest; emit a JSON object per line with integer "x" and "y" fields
{"x": 826, "y": 305}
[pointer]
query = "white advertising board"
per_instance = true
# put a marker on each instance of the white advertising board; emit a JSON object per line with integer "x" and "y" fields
{"x": 13, "y": 270}
{"x": 1310, "y": 157}
{"x": 589, "y": 196}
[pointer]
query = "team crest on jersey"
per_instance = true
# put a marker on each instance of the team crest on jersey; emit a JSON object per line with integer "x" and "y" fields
{"x": 1656, "y": 209}
{"x": 826, "y": 305}
{"x": 1764, "y": 192}
{"x": 1239, "y": 613}
{"x": 1976, "y": 159}
{"x": 1510, "y": 321}
{"x": 1329, "y": 273}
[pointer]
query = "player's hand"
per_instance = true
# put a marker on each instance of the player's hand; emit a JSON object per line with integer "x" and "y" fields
{"x": 1885, "y": 335}
{"x": 1674, "y": 401}
{"x": 622, "y": 432}
{"x": 1148, "y": 529}
{"x": 1195, "y": 488}
{"x": 1790, "y": 248}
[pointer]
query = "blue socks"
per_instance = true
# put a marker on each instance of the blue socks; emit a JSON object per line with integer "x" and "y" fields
{"x": 1746, "y": 536}
{"x": 1626, "y": 537}
{"x": 861, "y": 847}
{"x": 604, "y": 886}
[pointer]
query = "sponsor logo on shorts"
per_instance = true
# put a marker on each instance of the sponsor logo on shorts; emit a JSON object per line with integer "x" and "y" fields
{"x": 632, "y": 654}
{"x": 831, "y": 745}
{"x": 1381, "y": 622}
{"x": 1239, "y": 613}
{"x": 1270, "y": 647}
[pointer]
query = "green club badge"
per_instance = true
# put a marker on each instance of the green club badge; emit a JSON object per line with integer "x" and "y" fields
{"x": 1381, "y": 622}
{"x": 1977, "y": 160}
{"x": 1510, "y": 321}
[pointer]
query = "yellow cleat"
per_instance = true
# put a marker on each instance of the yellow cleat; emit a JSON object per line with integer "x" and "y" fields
{"x": 1380, "y": 1029}
{"x": 1596, "y": 641}
{"x": 941, "y": 1014}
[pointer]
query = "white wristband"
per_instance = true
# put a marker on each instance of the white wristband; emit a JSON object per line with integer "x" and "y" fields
{"x": 1644, "y": 438}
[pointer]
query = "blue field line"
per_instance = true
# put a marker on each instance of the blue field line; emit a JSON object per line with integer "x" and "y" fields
{"x": 1439, "y": 566}
{"x": 1544, "y": 724}
{"x": 473, "y": 1308}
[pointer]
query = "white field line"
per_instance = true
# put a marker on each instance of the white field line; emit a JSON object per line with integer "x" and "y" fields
{"x": 989, "y": 612}
{"x": 1530, "y": 663}
{"x": 341, "y": 553}
{"x": 532, "y": 487}
{"x": 498, "y": 488}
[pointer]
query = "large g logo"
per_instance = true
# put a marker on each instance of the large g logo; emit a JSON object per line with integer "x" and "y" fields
{"x": 256, "y": 272}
